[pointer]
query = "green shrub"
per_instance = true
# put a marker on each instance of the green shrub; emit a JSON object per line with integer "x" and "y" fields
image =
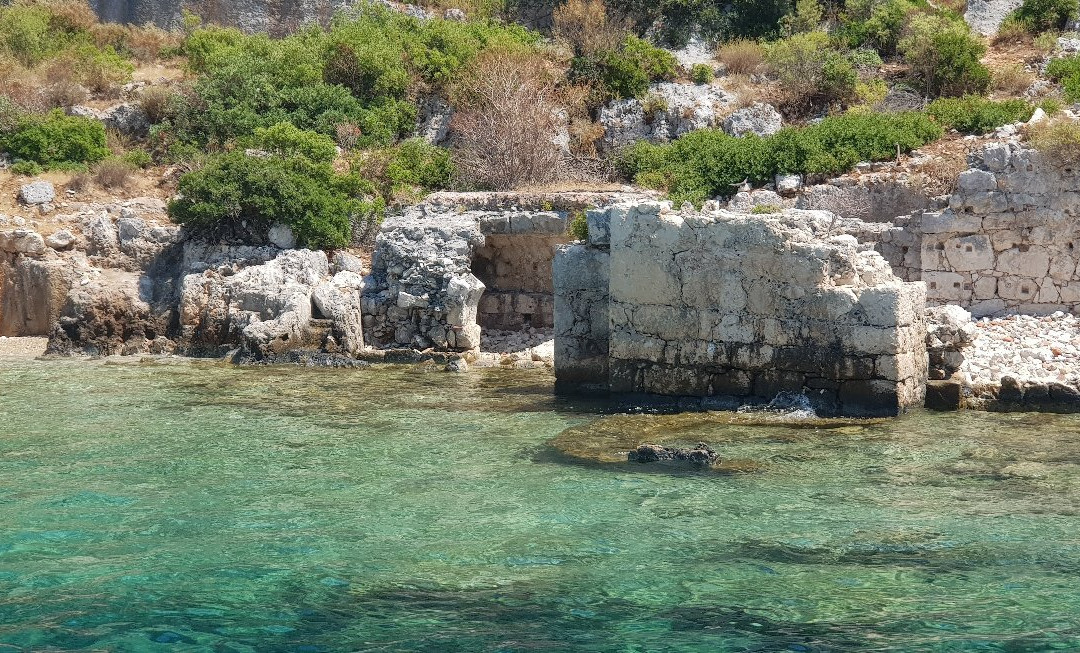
{"x": 766, "y": 209}
{"x": 876, "y": 24}
{"x": 944, "y": 55}
{"x": 807, "y": 17}
{"x": 359, "y": 72}
{"x": 973, "y": 114}
{"x": 137, "y": 158}
{"x": 236, "y": 193}
{"x": 578, "y": 226}
{"x": 54, "y": 139}
{"x": 865, "y": 59}
{"x": 406, "y": 171}
{"x": 701, "y": 73}
{"x": 658, "y": 63}
{"x": 284, "y": 139}
{"x": 811, "y": 72}
{"x": 1043, "y": 15}
{"x": 27, "y": 168}
{"x": 1066, "y": 70}
{"x": 710, "y": 163}
{"x": 1051, "y": 106}
{"x": 24, "y": 33}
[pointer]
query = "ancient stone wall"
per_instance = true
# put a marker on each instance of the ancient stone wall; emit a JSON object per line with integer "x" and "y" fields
{"x": 1010, "y": 241}
{"x": 439, "y": 275}
{"x": 723, "y": 304}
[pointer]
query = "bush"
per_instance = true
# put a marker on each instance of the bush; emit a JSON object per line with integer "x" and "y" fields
{"x": 811, "y": 72}
{"x": 24, "y": 33}
{"x": 876, "y": 24}
{"x": 1059, "y": 139}
{"x": 865, "y": 59}
{"x": 1043, "y": 15}
{"x": 155, "y": 102}
{"x": 741, "y": 57}
{"x": 976, "y": 115}
{"x": 137, "y": 158}
{"x": 113, "y": 173}
{"x": 55, "y": 139}
{"x": 27, "y": 168}
{"x": 237, "y": 194}
{"x": 944, "y": 55}
{"x": 587, "y": 27}
{"x": 505, "y": 122}
{"x": 1051, "y": 106}
{"x": 283, "y": 139}
{"x": 578, "y": 226}
{"x": 1066, "y": 71}
{"x": 807, "y": 17}
{"x": 701, "y": 73}
{"x": 403, "y": 173}
{"x": 709, "y": 163}
{"x": 1011, "y": 80}
{"x": 1013, "y": 30}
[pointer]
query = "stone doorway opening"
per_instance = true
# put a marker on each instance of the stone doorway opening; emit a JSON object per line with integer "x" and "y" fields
{"x": 517, "y": 310}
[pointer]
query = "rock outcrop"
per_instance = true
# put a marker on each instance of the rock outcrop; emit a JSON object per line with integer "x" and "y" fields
{"x": 723, "y": 304}
{"x": 679, "y": 108}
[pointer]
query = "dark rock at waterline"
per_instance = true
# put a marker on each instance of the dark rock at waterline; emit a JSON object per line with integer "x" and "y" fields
{"x": 702, "y": 454}
{"x": 944, "y": 395}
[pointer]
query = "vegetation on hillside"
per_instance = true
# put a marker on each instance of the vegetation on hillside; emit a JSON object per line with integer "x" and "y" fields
{"x": 317, "y": 129}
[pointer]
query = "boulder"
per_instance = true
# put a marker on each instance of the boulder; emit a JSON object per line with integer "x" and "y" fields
{"x": 760, "y": 118}
{"x": 700, "y": 455}
{"x": 61, "y": 240}
{"x": 37, "y": 192}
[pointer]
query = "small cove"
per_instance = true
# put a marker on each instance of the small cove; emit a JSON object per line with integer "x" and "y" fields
{"x": 201, "y": 507}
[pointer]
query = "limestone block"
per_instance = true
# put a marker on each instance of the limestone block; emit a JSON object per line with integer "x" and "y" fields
{"x": 996, "y": 157}
{"x": 1018, "y": 288}
{"x": 599, "y": 222}
{"x": 1032, "y": 263}
{"x": 985, "y": 288}
{"x": 280, "y": 235}
{"x": 630, "y": 345}
{"x": 950, "y": 222}
{"x": 1005, "y": 239}
{"x": 36, "y": 193}
{"x": 945, "y": 286}
{"x": 1069, "y": 292}
{"x": 976, "y": 180}
{"x": 892, "y": 305}
{"x": 969, "y": 253}
{"x": 987, "y": 307}
{"x": 463, "y": 294}
{"x": 537, "y": 223}
{"x": 643, "y": 277}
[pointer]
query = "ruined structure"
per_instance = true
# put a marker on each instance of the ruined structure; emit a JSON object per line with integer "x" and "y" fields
{"x": 722, "y": 304}
{"x": 1009, "y": 241}
{"x": 438, "y": 278}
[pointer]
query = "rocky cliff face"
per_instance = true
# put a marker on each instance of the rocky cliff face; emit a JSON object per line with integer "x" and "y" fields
{"x": 272, "y": 16}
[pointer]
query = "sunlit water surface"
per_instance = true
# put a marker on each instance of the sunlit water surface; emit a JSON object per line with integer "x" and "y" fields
{"x": 196, "y": 507}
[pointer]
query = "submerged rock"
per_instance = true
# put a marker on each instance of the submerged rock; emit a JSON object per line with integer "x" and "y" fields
{"x": 702, "y": 454}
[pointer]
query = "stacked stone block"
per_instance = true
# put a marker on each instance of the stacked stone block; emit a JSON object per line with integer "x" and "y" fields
{"x": 752, "y": 306}
{"x": 1010, "y": 241}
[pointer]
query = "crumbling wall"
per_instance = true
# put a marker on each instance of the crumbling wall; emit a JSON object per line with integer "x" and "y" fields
{"x": 438, "y": 276}
{"x": 748, "y": 307}
{"x": 1009, "y": 241}
{"x": 581, "y": 273}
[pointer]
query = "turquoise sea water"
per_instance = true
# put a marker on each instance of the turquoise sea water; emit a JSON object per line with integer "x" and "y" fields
{"x": 151, "y": 507}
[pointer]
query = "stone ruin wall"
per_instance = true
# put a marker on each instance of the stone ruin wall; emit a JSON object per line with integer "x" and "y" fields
{"x": 744, "y": 307}
{"x": 1008, "y": 243}
{"x": 438, "y": 277}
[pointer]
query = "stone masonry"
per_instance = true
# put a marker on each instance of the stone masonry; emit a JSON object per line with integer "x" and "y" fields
{"x": 438, "y": 275}
{"x": 744, "y": 307}
{"x": 1009, "y": 242}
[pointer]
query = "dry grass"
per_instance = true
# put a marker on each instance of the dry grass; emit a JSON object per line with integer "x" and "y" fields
{"x": 742, "y": 57}
{"x": 154, "y": 101}
{"x": 1013, "y": 32}
{"x": 79, "y": 182}
{"x": 587, "y": 26}
{"x": 1011, "y": 80}
{"x": 1059, "y": 139}
{"x": 940, "y": 175}
{"x": 113, "y": 174}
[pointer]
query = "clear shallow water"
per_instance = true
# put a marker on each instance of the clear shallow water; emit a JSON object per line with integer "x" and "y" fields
{"x": 149, "y": 507}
